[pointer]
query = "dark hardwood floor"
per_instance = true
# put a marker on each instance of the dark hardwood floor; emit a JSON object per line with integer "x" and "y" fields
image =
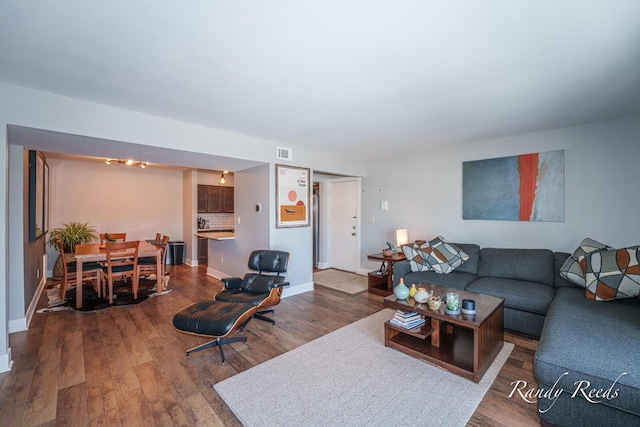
{"x": 127, "y": 365}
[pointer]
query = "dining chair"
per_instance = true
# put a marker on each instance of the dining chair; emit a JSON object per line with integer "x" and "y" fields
{"x": 90, "y": 271}
{"x": 118, "y": 237}
{"x": 148, "y": 263}
{"x": 158, "y": 240}
{"x": 122, "y": 262}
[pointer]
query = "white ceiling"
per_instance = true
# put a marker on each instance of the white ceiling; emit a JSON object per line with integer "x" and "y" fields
{"x": 357, "y": 77}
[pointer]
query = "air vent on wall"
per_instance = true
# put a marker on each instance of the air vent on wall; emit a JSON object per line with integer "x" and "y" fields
{"x": 284, "y": 154}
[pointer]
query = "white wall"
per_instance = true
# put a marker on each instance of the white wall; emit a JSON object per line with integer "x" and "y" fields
{"x": 209, "y": 178}
{"x": 116, "y": 198}
{"x": 424, "y": 190}
{"x": 5, "y": 351}
{"x": 189, "y": 215}
{"x": 16, "y": 232}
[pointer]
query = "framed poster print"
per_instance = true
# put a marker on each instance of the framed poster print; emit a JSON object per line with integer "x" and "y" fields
{"x": 292, "y": 196}
{"x": 45, "y": 201}
{"x": 36, "y": 194}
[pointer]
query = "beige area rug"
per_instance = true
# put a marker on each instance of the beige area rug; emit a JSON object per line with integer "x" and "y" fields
{"x": 349, "y": 378}
{"x": 342, "y": 281}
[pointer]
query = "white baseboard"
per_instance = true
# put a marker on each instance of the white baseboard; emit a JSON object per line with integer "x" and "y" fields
{"x": 22, "y": 324}
{"x": 323, "y": 265}
{"x": 363, "y": 272}
{"x": 190, "y": 262}
{"x": 217, "y": 274}
{"x": 290, "y": 291}
{"x": 18, "y": 325}
{"x": 5, "y": 361}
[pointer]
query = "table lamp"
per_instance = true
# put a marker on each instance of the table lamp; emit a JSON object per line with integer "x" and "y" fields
{"x": 402, "y": 237}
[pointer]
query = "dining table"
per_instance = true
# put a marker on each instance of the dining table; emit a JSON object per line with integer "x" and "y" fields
{"x": 95, "y": 252}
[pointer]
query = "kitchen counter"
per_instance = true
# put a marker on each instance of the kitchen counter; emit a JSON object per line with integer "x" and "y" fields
{"x": 215, "y": 235}
{"x": 216, "y": 229}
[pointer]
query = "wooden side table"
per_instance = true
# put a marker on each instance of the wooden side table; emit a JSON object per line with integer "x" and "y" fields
{"x": 382, "y": 284}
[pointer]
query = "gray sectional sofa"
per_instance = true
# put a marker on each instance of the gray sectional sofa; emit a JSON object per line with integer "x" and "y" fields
{"x": 588, "y": 356}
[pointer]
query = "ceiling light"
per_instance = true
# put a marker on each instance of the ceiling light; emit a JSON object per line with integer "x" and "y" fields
{"x": 129, "y": 162}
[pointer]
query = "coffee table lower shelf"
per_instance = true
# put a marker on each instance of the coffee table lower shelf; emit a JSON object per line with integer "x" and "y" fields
{"x": 455, "y": 353}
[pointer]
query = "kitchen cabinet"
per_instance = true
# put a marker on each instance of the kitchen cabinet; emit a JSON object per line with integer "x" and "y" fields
{"x": 203, "y": 251}
{"x": 203, "y": 198}
{"x": 215, "y": 199}
{"x": 227, "y": 199}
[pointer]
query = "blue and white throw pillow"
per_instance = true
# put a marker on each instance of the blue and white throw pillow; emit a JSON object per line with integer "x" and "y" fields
{"x": 416, "y": 257}
{"x": 571, "y": 269}
{"x": 443, "y": 257}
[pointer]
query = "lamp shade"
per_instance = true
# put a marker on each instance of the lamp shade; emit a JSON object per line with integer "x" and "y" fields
{"x": 402, "y": 237}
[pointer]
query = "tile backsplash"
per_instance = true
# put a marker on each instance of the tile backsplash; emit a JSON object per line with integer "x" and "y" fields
{"x": 218, "y": 220}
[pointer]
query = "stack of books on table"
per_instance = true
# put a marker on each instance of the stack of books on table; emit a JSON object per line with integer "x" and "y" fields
{"x": 407, "y": 319}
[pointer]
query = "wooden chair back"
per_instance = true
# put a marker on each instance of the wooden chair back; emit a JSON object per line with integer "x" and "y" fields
{"x": 122, "y": 261}
{"x": 121, "y": 254}
{"x": 69, "y": 279}
{"x": 164, "y": 244}
{"x": 148, "y": 264}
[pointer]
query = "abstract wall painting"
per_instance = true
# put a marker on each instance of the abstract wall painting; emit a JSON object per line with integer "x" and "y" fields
{"x": 528, "y": 187}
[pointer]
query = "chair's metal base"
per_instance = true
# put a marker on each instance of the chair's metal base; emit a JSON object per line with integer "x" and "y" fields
{"x": 261, "y": 315}
{"x": 217, "y": 342}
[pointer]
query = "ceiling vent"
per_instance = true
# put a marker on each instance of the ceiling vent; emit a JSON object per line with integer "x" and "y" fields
{"x": 284, "y": 154}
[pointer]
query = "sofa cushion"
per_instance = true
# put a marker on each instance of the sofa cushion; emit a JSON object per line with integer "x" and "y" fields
{"x": 529, "y": 265}
{"x": 527, "y": 296}
{"x": 457, "y": 279}
{"x": 559, "y": 258}
{"x": 594, "y": 342}
{"x": 611, "y": 274}
{"x": 416, "y": 257}
{"x": 571, "y": 269}
{"x": 471, "y": 265}
{"x": 443, "y": 257}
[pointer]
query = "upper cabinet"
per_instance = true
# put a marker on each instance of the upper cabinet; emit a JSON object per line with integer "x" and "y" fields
{"x": 227, "y": 199}
{"x": 215, "y": 199}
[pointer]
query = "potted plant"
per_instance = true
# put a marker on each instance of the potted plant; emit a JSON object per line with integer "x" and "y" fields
{"x": 70, "y": 234}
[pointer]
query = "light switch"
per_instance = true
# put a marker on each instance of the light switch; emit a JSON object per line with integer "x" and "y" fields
{"x": 384, "y": 205}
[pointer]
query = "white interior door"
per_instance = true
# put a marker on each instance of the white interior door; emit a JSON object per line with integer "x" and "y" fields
{"x": 344, "y": 225}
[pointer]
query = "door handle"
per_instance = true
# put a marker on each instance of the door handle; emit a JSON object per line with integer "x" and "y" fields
{"x": 353, "y": 234}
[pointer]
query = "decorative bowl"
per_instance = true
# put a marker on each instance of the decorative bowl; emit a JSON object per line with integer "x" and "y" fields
{"x": 421, "y": 295}
{"x": 434, "y": 303}
{"x": 387, "y": 252}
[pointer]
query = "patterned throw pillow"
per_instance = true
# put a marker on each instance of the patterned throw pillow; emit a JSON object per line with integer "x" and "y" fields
{"x": 612, "y": 274}
{"x": 443, "y": 257}
{"x": 571, "y": 269}
{"x": 416, "y": 257}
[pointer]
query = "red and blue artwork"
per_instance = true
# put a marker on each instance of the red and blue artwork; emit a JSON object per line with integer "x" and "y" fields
{"x": 528, "y": 187}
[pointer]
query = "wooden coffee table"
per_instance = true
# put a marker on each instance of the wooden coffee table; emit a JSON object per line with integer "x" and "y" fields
{"x": 463, "y": 344}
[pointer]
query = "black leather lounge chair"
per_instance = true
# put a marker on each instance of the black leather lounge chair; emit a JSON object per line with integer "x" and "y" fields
{"x": 262, "y": 289}
{"x": 238, "y": 303}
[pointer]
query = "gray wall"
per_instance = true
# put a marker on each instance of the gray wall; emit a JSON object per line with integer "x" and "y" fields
{"x": 424, "y": 190}
{"x": 251, "y": 187}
